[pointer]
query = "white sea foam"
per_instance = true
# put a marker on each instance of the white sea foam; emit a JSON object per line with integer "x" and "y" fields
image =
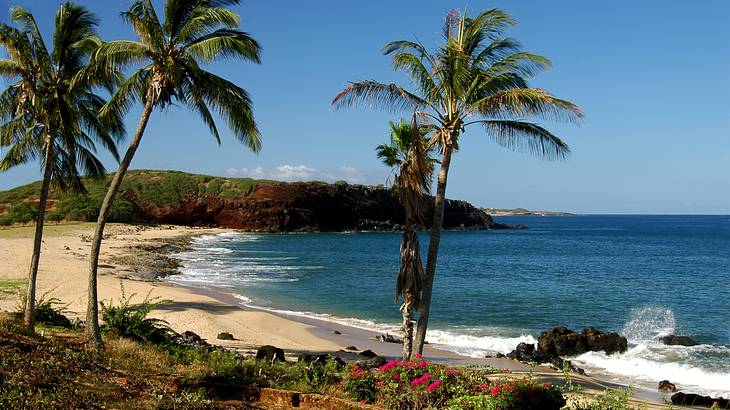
{"x": 476, "y": 346}
{"x": 635, "y": 364}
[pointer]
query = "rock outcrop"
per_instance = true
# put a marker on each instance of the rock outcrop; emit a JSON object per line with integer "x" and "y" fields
{"x": 673, "y": 340}
{"x": 684, "y": 399}
{"x": 561, "y": 341}
{"x": 310, "y": 206}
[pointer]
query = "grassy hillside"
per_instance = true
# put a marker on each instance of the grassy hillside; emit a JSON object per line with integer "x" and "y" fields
{"x": 163, "y": 188}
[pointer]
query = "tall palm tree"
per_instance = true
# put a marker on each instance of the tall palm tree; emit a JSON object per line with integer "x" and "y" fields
{"x": 408, "y": 154}
{"x": 170, "y": 53}
{"x": 46, "y": 112}
{"x": 477, "y": 76}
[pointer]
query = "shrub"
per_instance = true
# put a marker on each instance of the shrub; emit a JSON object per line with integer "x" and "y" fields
{"x": 22, "y": 213}
{"x": 49, "y": 311}
{"x": 55, "y": 216}
{"x": 6, "y": 220}
{"x": 419, "y": 384}
{"x": 131, "y": 321}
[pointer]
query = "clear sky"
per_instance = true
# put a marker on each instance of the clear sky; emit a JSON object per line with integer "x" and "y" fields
{"x": 653, "y": 78}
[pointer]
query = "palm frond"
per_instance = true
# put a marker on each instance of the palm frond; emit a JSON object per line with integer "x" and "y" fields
{"x": 374, "y": 94}
{"x": 528, "y": 138}
{"x": 203, "y": 20}
{"x": 232, "y": 103}
{"x": 528, "y": 102}
{"x": 224, "y": 43}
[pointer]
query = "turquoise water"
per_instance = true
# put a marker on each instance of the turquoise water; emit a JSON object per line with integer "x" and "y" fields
{"x": 643, "y": 276}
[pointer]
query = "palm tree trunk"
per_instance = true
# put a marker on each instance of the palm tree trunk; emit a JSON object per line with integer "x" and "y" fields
{"x": 407, "y": 312}
{"x": 93, "y": 332}
{"x": 29, "y": 314}
{"x": 424, "y": 306}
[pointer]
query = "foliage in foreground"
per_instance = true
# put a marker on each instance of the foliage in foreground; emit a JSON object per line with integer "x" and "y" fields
{"x": 146, "y": 365}
{"x": 418, "y": 384}
{"x": 48, "y": 310}
{"x": 131, "y": 321}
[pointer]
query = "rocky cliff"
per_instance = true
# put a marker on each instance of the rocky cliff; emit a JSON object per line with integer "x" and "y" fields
{"x": 241, "y": 203}
{"x": 309, "y": 206}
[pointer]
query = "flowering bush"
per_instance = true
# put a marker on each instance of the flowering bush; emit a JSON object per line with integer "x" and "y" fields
{"x": 418, "y": 384}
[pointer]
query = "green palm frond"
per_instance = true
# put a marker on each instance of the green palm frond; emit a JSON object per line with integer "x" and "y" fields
{"x": 527, "y": 137}
{"x": 51, "y": 100}
{"x": 528, "y": 102}
{"x": 372, "y": 93}
{"x": 194, "y": 32}
{"x": 224, "y": 43}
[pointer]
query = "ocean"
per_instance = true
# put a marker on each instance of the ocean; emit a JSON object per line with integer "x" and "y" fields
{"x": 641, "y": 276}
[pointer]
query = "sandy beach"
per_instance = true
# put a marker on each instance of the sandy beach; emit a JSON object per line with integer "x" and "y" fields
{"x": 63, "y": 274}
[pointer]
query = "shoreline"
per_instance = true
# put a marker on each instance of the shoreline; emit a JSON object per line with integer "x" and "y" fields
{"x": 209, "y": 311}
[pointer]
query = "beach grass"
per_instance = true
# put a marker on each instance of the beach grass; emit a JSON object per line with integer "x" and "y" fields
{"x": 11, "y": 287}
{"x": 50, "y": 229}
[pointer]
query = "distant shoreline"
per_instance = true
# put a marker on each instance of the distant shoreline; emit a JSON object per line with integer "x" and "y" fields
{"x": 523, "y": 212}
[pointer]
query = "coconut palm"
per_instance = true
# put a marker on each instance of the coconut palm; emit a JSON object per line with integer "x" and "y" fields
{"x": 46, "y": 112}
{"x": 477, "y": 76}
{"x": 408, "y": 154}
{"x": 170, "y": 53}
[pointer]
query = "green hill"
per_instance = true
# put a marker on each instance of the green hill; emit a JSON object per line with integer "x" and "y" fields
{"x": 163, "y": 188}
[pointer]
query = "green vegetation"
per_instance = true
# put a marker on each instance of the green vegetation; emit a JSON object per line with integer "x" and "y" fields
{"x": 11, "y": 287}
{"x": 58, "y": 371}
{"x": 158, "y": 188}
{"x": 131, "y": 321}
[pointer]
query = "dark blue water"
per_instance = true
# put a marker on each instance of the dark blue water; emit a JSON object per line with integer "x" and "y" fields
{"x": 643, "y": 276}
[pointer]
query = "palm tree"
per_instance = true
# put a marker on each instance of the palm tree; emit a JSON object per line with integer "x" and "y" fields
{"x": 170, "y": 53}
{"x": 46, "y": 112}
{"x": 476, "y": 77}
{"x": 408, "y": 154}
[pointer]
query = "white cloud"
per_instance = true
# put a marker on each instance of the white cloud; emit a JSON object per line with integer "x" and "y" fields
{"x": 291, "y": 173}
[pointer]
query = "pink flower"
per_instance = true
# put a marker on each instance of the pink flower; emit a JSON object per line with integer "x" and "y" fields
{"x": 391, "y": 364}
{"x": 420, "y": 380}
{"x": 357, "y": 372}
{"x": 418, "y": 356}
{"x": 379, "y": 384}
{"x": 433, "y": 386}
{"x": 422, "y": 364}
{"x": 395, "y": 377}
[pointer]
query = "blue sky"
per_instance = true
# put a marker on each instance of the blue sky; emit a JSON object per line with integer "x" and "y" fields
{"x": 652, "y": 77}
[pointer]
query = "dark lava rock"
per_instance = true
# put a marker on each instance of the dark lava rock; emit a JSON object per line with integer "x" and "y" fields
{"x": 270, "y": 354}
{"x": 337, "y": 332}
{"x": 368, "y": 353}
{"x": 666, "y": 386}
{"x": 386, "y": 338}
{"x": 500, "y": 356}
{"x": 525, "y": 352}
{"x": 351, "y": 348}
{"x": 561, "y": 341}
{"x": 672, "y": 340}
{"x": 225, "y": 336}
{"x": 372, "y": 363}
{"x": 189, "y": 338}
{"x": 321, "y": 359}
{"x": 685, "y": 399}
